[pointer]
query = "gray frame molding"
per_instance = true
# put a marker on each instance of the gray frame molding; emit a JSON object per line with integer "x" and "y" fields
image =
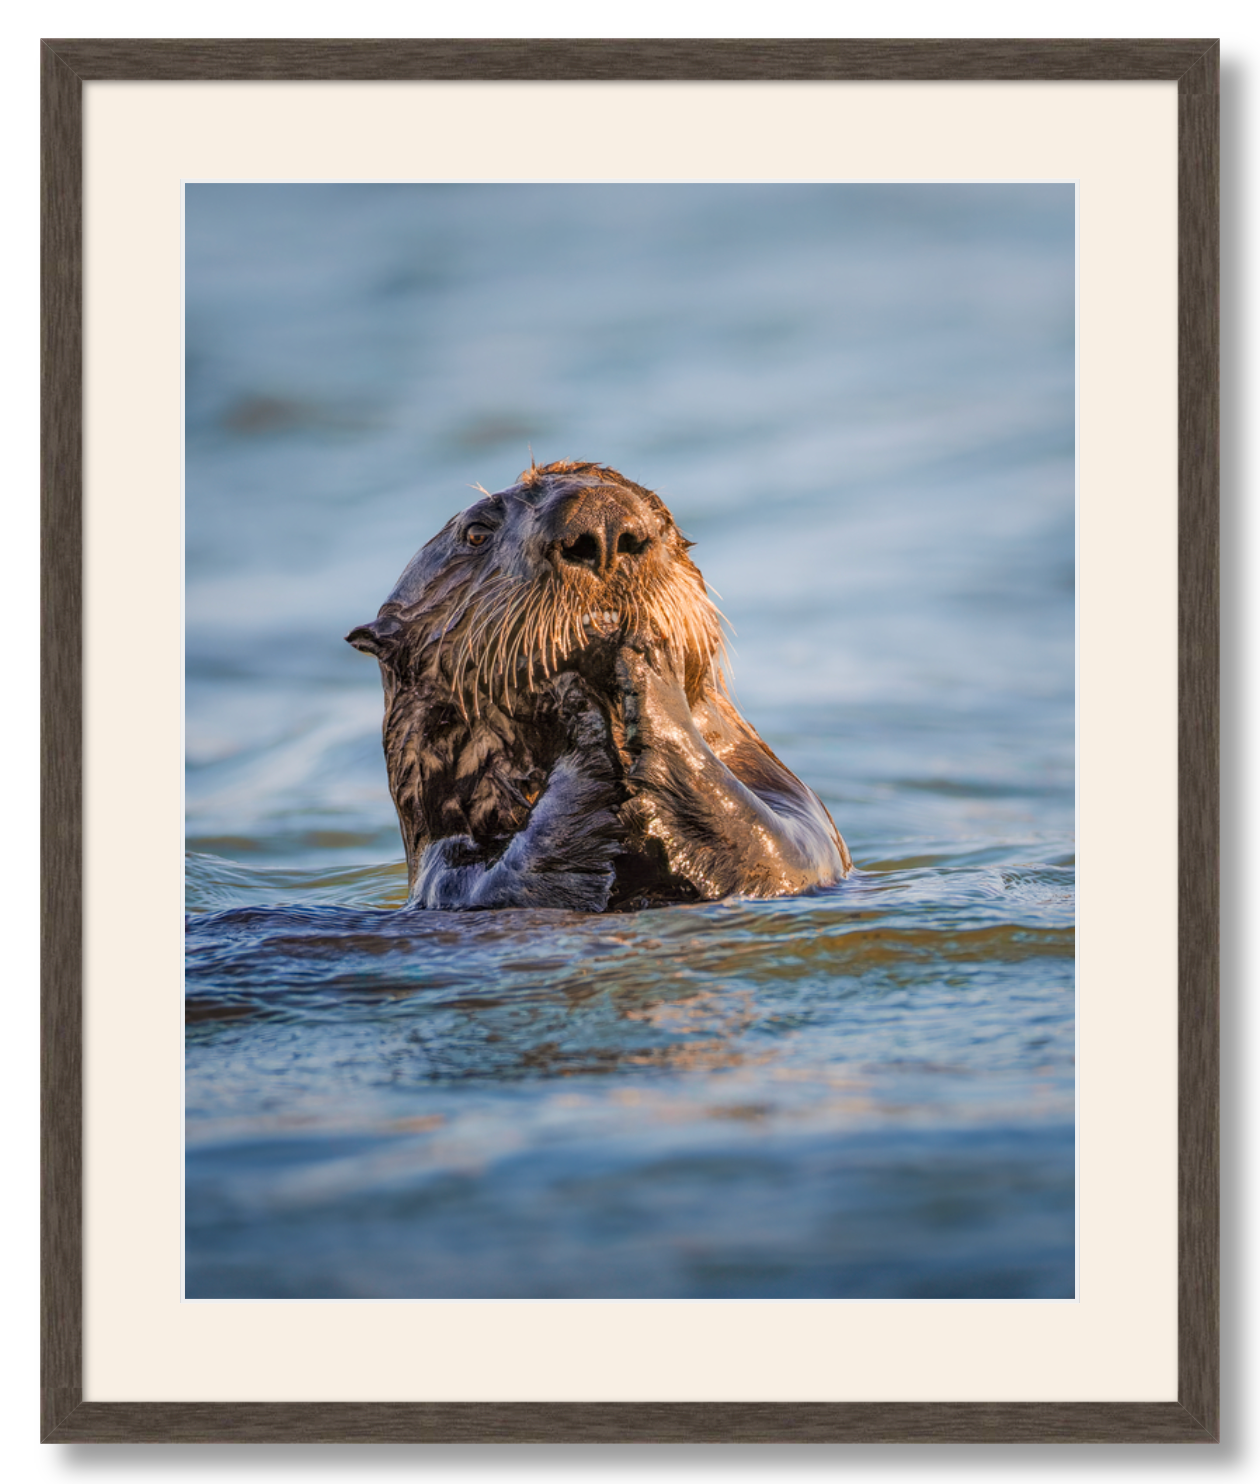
{"x": 1195, "y": 67}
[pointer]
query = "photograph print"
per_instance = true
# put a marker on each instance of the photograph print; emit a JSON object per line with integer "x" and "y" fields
{"x": 630, "y": 727}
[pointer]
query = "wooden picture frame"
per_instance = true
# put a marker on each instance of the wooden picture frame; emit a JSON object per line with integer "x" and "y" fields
{"x": 1194, "y": 66}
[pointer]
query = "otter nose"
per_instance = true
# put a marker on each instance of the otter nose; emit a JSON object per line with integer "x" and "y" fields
{"x": 600, "y": 536}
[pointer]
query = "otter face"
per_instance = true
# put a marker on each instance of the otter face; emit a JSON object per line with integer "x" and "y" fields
{"x": 552, "y": 574}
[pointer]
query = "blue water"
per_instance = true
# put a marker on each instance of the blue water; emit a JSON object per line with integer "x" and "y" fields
{"x": 858, "y": 401}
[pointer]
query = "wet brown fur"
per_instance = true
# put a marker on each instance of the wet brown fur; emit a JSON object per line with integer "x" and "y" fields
{"x": 497, "y": 697}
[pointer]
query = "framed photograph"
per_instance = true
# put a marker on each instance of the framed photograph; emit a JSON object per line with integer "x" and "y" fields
{"x": 778, "y": 442}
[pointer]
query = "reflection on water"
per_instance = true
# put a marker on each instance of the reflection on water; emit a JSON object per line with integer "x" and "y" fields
{"x": 858, "y": 402}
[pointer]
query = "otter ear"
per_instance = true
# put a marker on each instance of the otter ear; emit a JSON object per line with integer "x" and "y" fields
{"x": 378, "y": 637}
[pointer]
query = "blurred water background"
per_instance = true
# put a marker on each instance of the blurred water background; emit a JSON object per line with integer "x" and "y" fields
{"x": 858, "y": 401}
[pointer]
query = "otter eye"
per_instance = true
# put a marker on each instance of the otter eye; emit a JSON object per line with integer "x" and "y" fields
{"x": 478, "y": 535}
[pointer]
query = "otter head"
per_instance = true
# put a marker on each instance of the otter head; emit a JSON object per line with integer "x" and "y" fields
{"x": 552, "y": 574}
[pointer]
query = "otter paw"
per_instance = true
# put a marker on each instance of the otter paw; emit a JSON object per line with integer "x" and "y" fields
{"x": 448, "y": 871}
{"x": 587, "y": 726}
{"x": 455, "y": 850}
{"x": 658, "y": 718}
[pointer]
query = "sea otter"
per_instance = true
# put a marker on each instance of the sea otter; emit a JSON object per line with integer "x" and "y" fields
{"x": 557, "y": 731}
